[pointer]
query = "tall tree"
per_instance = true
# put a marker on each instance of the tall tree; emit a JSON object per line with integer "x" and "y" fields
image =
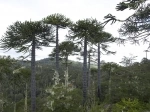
{"x": 59, "y": 21}
{"x": 102, "y": 39}
{"x": 82, "y": 31}
{"x": 66, "y": 49}
{"x": 26, "y": 37}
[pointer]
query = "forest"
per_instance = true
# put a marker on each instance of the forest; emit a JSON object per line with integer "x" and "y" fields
{"x": 58, "y": 84}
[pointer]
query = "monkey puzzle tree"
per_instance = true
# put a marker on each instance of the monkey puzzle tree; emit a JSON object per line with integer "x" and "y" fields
{"x": 27, "y": 37}
{"x": 128, "y": 61}
{"x": 102, "y": 39}
{"x": 60, "y": 22}
{"x": 66, "y": 49}
{"x": 82, "y": 31}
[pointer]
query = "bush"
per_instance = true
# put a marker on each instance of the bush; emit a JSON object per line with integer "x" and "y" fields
{"x": 129, "y": 105}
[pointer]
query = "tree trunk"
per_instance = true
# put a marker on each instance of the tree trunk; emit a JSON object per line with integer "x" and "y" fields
{"x": 2, "y": 105}
{"x": 57, "y": 50}
{"x": 26, "y": 99}
{"x": 33, "y": 81}
{"x": 2, "y": 110}
{"x": 99, "y": 74}
{"x": 109, "y": 89}
{"x": 15, "y": 107}
{"x": 85, "y": 72}
{"x": 14, "y": 97}
{"x": 89, "y": 72}
{"x": 66, "y": 73}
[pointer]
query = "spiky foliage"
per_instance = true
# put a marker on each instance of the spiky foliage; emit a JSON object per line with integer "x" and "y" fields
{"x": 135, "y": 27}
{"x": 58, "y": 20}
{"x": 20, "y": 35}
{"x": 104, "y": 39}
{"x": 129, "y": 4}
{"x": 26, "y": 37}
{"x": 84, "y": 29}
{"x": 66, "y": 48}
{"x": 126, "y": 4}
{"x": 128, "y": 61}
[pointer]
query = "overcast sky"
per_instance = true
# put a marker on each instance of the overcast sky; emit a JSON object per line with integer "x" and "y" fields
{"x": 21, "y": 10}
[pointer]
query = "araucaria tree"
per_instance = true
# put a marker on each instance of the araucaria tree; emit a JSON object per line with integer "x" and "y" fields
{"x": 82, "y": 31}
{"x": 101, "y": 39}
{"x": 66, "y": 49}
{"x": 27, "y": 37}
{"x": 60, "y": 22}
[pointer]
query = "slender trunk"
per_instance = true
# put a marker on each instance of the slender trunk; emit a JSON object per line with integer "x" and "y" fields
{"x": 109, "y": 89}
{"x": 57, "y": 50}
{"x": 99, "y": 73}
{"x": 14, "y": 97}
{"x": 26, "y": 99}
{"x": 89, "y": 72}
{"x": 0, "y": 88}
{"x": 2, "y": 99}
{"x": 93, "y": 93}
{"x": 15, "y": 107}
{"x": 66, "y": 73}
{"x": 33, "y": 81}
{"x": 2, "y": 110}
{"x": 85, "y": 72}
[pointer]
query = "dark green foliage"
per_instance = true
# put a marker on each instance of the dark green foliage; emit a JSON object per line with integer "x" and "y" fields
{"x": 131, "y": 4}
{"x": 136, "y": 27}
{"x": 129, "y": 105}
{"x": 84, "y": 29}
{"x": 66, "y": 49}
{"x": 58, "y": 20}
{"x": 61, "y": 99}
{"x": 138, "y": 88}
{"x": 19, "y": 36}
{"x": 6, "y": 65}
